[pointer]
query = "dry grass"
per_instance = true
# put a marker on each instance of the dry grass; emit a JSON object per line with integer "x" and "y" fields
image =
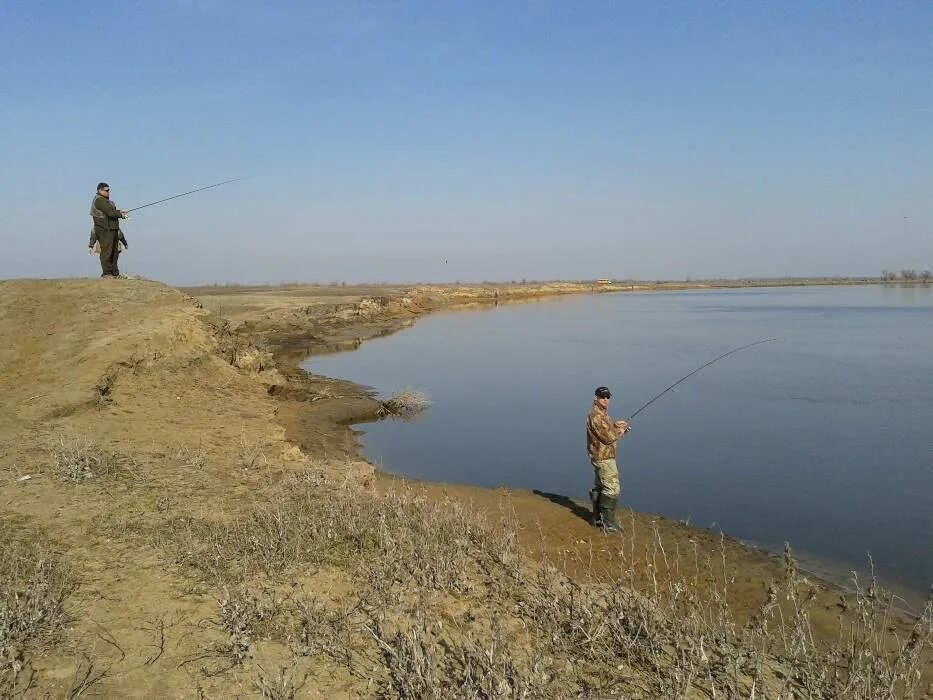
{"x": 284, "y": 685}
{"x": 87, "y": 675}
{"x": 319, "y": 631}
{"x": 238, "y": 615}
{"x": 76, "y": 459}
{"x": 192, "y": 459}
{"x": 679, "y": 638}
{"x": 440, "y": 603}
{"x": 444, "y": 606}
{"x": 34, "y": 585}
{"x": 421, "y": 661}
{"x": 251, "y": 454}
{"x": 387, "y": 539}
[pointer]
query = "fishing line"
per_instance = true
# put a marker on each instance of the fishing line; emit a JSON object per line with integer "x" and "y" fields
{"x": 725, "y": 354}
{"x": 176, "y": 196}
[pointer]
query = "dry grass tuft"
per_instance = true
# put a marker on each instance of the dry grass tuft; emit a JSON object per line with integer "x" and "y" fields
{"x": 252, "y": 455}
{"x": 195, "y": 460}
{"x": 422, "y": 662}
{"x": 77, "y": 459}
{"x": 239, "y": 613}
{"x": 284, "y": 685}
{"x": 319, "y": 631}
{"x": 34, "y": 585}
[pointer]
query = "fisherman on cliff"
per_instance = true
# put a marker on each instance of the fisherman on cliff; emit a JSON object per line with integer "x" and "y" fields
{"x": 602, "y": 434}
{"x": 106, "y": 232}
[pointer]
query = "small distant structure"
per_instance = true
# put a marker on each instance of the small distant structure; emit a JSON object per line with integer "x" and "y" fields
{"x": 603, "y": 280}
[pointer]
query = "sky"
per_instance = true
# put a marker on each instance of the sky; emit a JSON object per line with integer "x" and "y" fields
{"x": 399, "y": 141}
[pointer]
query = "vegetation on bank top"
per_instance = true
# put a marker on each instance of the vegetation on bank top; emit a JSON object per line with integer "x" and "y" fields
{"x": 908, "y": 275}
{"x": 443, "y": 604}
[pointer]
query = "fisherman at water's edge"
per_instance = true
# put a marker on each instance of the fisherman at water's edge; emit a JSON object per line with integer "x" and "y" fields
{"x": 106, "y": 231}
{"x": 601, "y": 437}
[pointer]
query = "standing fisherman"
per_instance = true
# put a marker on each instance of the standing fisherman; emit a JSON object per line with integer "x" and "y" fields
{"x": 601, "y": 437}
{"x": 106, "y": 231}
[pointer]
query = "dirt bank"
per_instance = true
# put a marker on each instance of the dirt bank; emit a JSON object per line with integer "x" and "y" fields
{"x": 172, "y": 415}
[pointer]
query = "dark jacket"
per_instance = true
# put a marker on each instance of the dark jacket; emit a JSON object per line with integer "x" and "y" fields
{"x": 105, "y": 214}
{"x": 106, "y": 218}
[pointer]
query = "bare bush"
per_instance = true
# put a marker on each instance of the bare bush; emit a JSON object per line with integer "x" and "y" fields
{"x": 405, "y": 404}
{"x": 436, "y": 545}
{"x": 421, "y": 661}
{"x": 87, "y": 675}
{"x": 319, "y": 631}
{"x": 284, "y": 685}
{"x": 677, "y": 638}
{"x": 77, "y": 459}
{"x": 412, "y": 662}
{"x": 866, "y": 661}
{"x": 238, "y": 615}
{"x": 34, "y": 585}
{"x": 398, "y": 537}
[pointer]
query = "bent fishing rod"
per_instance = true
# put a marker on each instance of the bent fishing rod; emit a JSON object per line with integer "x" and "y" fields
{"x": 184, "y": 194}
{"x": 686, "y": 377}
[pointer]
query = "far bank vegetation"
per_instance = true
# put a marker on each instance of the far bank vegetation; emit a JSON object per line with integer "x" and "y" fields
{"x": 907, "y": 275}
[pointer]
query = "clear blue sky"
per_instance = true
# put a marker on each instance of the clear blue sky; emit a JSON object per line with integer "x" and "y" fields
{"x": 512, "y": 139}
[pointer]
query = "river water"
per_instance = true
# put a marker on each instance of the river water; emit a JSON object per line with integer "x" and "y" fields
{"x": 823, "y": 438}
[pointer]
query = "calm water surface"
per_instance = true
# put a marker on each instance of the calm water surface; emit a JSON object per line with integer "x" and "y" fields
{"x": 824, "y": 439}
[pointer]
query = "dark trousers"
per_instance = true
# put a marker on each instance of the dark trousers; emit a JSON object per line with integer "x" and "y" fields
{"x": 109, "y": 252}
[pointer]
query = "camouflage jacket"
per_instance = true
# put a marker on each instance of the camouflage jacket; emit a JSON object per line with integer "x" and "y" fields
{"x": 601, "y": 435}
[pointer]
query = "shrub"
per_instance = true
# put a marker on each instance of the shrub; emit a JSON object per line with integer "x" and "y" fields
{"x": 34, "y": 585}
{"x": 405, "y": 404}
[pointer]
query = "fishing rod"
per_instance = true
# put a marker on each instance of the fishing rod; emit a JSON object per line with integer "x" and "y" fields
{"x": 682, "y": 379}
{"x": 200, "y": 189}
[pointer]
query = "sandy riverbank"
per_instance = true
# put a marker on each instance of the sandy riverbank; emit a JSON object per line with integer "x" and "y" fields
{"x": 165, "y": 459}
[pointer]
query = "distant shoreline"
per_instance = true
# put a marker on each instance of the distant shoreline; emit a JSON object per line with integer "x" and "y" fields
{"x": 613, "y": 284}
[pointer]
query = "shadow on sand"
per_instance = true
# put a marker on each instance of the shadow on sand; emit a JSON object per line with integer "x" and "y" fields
{"x": 580, "y": 511}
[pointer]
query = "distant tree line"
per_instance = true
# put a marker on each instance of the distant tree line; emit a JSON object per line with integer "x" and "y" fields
{"x": 906, "y": 276}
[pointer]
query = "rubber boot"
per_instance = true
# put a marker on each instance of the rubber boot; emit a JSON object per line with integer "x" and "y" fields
{"x": 607, "y": 509}
{"x": 594, "y": 500}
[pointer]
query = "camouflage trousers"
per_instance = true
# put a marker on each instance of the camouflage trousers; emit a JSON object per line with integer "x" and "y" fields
{"x": 607, "y": 477}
